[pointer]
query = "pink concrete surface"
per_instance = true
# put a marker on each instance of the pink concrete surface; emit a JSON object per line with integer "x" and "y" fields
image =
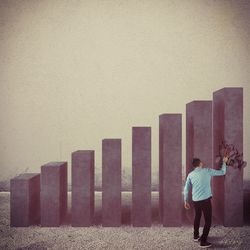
{"x": 111, "y": 183}
{"x": 228, "y": 127}
{"x": 83, "y": 178}
{"x": 141, "y": 176}
{"x": 25, "y": 200}
{"x": 53, "y": 193}
{"x": 170, "y": 169}
{"x": 198, "y": 133}
{"x": 198, "y": 140}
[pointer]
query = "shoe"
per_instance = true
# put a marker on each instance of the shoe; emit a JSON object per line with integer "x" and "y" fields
{"x": 205, "y": 244}
{"x": 196, "y": 238}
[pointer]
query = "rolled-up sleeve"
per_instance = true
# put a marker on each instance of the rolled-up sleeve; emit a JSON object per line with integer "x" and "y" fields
{"x": 186, "y": 188}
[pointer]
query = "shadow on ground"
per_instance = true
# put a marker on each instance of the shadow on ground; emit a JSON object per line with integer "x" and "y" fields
{"x": 126, "y": 209}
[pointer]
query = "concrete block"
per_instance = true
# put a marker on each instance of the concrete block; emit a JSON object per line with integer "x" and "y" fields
{"x": 82, "y": 210}
{"x": 198, "y": 133}
{"x": 53, "y": 193}
{"x": 228, "y": 127}
{"x": 198, "y": 141}
{"x": 25, "y": 200}
{"x": 111, "y": 182}
{"x": 141, "y": 177}
{"x": 170, "y": 169}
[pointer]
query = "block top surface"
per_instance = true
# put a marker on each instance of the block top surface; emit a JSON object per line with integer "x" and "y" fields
{"x": 85, "y": 151}
{"x": 26, "y": 176}
{"x": 55, "y": 164}
{"x": 170, "y": 114}
{"x": 229, "y": 89}
{"x": 197, "y": 102}
{"x": 141, "y": 127}
{"x": 111, "y": 139}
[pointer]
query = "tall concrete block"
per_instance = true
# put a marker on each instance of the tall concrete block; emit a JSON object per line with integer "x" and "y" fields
{"x": 111, "y": 182}
{"x": 228, "y": 126}
{"x": 25, "y": 200}
{"x": 53, "y": 193}
{"x": 198, "y": 140}
{"x": 170, "y": 169}
{"x": 198, "y": 133}
{"x": 83, "y": 193}
{"x": 141, "y": 176}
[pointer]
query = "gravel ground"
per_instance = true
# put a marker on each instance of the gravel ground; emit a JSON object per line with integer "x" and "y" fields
{"x": 125, "y": 237}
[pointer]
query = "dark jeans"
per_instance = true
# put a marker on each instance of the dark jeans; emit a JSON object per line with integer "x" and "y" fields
{"x": 204, "y": 207}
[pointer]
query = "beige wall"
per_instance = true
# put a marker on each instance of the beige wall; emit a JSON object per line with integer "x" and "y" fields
{"x": 74, "y": 72}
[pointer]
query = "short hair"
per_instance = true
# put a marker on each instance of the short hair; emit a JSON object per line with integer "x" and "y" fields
{"x": 196, "y": 162}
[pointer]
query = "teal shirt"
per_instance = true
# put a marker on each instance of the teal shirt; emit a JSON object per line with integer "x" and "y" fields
{"x": 200, "y": 179}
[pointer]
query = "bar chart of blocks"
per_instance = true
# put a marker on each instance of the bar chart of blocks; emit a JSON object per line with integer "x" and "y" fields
{"x": 41, "y": 198}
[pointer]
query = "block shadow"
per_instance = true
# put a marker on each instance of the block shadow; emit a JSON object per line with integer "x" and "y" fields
{"x": 126, "y": 209}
